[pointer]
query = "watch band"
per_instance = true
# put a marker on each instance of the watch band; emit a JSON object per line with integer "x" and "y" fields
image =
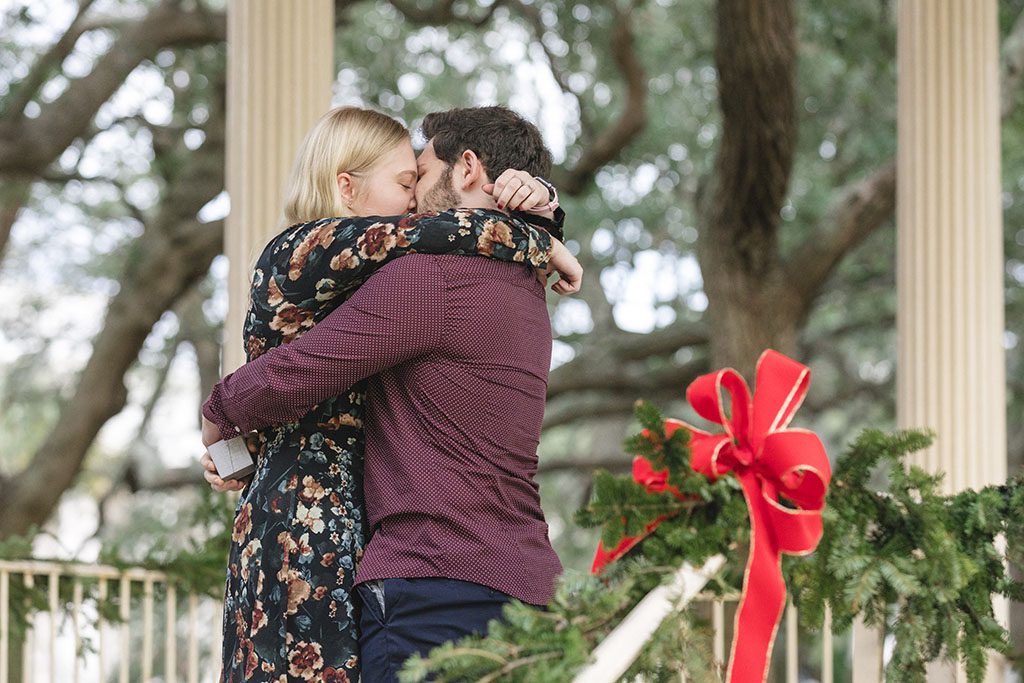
{"x": 552, "y": 195}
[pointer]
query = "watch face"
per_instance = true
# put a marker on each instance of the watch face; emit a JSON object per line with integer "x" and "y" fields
{"x": 552, "y": 193}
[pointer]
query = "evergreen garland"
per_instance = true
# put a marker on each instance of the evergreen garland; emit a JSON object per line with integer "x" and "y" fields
{"x": 900, "y": 554}
{"x": 549, "y": 646}
{"x": 904, "y": 557}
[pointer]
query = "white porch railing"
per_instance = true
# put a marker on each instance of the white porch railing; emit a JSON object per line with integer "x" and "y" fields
{"x": 71, "y": 641}
{"x": 617, "y": 652}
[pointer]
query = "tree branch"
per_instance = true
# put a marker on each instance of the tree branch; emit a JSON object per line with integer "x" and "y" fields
{"x": 632, "y": 119}
{"x": 45, "y": 65}
{"x": 532, "y": 14}
{"x": 586, "y": 405}
{"x": 667, "y": 340}
{"x": 174, "y": 254}
{"x": 442, "y": 12}
{"x": 597, "y": 371}
{"x": 30, "y": 145}
{"x": 867, "y": 204}
{"x": 13, "y": 197}
{"x": 590, "y": 386}
{"x": 585, "y": 465}
{"x": 857, "y": 212}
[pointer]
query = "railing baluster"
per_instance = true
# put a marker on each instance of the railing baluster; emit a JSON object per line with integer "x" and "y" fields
{"x": 28, "y": 649}
{"x": 216, "y": 642}
{"x": 147, "y": 630}
{"x": 54, "y": 588}
{"x": 101, "y": 626}
{"x": 792, "y": 646}
{"x": 826, "y": 646}
{"x": 193, "y": 642}
{"x": 104, "y": 574}
{"x": 5, "y": 624}
{"x": 76, "y": 625}
{"x": 718, "y": 624}
{"x": 125, "y": 613}
{"x": 171, "y": 643}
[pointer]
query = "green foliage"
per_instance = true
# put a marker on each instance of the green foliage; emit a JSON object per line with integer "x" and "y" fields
{"x": 905, "y": 557}
{"x": 195, "y": 561}
{"x": 896, "y": 552}
{"x": 549, "y": 646}
{"x": 709, "y": 518}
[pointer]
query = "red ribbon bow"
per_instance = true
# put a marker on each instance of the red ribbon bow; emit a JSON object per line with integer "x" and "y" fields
{"x": 770, "y": 461}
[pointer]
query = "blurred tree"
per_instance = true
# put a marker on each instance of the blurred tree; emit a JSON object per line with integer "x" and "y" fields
{"x": 729, "y": 179}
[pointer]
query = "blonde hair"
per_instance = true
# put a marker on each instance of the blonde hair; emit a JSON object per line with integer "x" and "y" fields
{"x": 344, "y": 140}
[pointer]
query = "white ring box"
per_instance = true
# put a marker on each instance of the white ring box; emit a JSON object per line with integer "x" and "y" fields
{"x": 232, "y": 458}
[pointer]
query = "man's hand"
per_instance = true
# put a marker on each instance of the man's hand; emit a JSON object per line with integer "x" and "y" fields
{"x": 216, "y": 483}
{"x": 518, "y": 191}
{"x": 569, "y": 270}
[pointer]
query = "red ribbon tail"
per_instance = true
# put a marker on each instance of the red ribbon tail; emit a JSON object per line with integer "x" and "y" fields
{"x": 604, "y": 557}
{"x": 764, "y": 594}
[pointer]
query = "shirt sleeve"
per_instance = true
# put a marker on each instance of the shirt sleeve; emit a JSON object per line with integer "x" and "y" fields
{"x": 555, "y": 226}
{"x": 396, "y": 316}
{"x": 331, "y": 257}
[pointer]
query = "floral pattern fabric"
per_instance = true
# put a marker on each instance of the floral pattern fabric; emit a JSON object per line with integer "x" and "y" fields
{"x": 299, "y": 528}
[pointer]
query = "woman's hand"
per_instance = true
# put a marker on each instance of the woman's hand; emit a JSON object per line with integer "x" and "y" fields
{"x": 216, "y": 483}
{"x": 519, "y": 191}
{"x": 570, "y": 272}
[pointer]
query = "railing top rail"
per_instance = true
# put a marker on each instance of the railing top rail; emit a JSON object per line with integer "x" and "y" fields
{"x": 91, "y": 571}
{"x": 614, "y": 655}
{"x": 712, "y": 597}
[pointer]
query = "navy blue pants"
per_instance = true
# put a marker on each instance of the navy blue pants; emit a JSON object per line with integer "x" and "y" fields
{"x": 400, "y": 617}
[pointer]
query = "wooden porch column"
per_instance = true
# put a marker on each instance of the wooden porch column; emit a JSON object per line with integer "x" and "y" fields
{"x": 280, "y": 70}
{"x": 951, "y": 361}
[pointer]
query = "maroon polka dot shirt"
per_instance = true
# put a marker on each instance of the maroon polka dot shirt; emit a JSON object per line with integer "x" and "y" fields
{"x": 457, "y": 349}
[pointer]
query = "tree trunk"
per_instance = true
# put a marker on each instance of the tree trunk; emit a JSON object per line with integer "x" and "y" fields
{"x": 171, "y": 255}
{"x": 749, "y": 306}
{"x": 748, "y": 315}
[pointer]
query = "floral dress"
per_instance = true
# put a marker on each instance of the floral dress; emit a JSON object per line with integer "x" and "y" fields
{"x": 299, "y": 526}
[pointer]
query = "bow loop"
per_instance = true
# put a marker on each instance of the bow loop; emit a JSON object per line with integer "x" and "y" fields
{"x": 705, "y": 394}
{"x": 645, "y": 475}
{"x": 705, "y": 453}
{"x": 779, "y": 390}
{"x": 796, "y": 463}
{"x": 796, "y": 532}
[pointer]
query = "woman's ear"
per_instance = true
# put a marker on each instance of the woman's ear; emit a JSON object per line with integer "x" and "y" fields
{"x": 347, "y": 188}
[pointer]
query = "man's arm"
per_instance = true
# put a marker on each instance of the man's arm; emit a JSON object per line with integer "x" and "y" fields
{"x": 397, "y": 315}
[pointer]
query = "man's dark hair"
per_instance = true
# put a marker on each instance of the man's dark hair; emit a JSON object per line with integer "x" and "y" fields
{"x": 501, "y": 138}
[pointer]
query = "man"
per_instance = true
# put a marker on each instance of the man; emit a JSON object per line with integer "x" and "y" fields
{"x": 458, "y": 351}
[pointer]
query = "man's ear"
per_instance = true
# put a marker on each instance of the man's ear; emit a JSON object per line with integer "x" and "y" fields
{"x": 472, "y": 174}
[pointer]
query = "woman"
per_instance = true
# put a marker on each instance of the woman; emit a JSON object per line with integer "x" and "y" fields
{"x": 298, "y": 531}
